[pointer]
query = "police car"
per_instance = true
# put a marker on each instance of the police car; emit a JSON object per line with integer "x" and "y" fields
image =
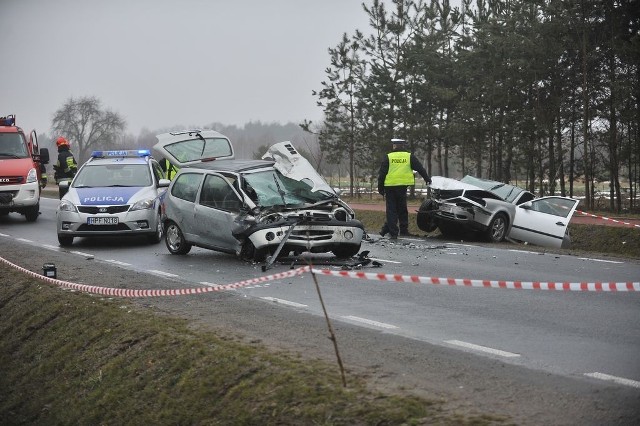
{"x": 113, "y": 193}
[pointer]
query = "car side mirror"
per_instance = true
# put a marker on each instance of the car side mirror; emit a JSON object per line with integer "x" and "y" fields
{"x": 164, "y": 183}
{"x": 526, "y": 206}
{"x": 64, "y": 184}
{"x": 44, "y": 155}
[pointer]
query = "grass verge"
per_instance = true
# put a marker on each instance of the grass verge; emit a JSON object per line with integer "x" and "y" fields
{"x": 73, "y": 358}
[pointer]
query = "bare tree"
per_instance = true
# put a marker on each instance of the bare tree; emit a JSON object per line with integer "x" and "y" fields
{"x": 87, "y": 126}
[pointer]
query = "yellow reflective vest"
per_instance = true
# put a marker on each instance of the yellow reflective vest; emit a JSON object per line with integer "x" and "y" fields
{"x": 400, "y": 171}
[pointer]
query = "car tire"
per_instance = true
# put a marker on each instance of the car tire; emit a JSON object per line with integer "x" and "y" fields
{"x": 346, "y": 251}
{"x": 425, "y": 220}
{"x": 65, "y": 240}
{"x": 32, "y": 213}
{"x": 497, "y": 230}
{"x": 175, "y": 241}
{"x": 156, "y": 237}
{"x": 250, "y": 253}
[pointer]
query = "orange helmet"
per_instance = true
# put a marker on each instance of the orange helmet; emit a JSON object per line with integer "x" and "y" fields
{"x": 62, "y": 142}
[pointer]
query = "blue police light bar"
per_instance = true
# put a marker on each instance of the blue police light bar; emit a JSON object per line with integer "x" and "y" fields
{"x": 122, "y": 153}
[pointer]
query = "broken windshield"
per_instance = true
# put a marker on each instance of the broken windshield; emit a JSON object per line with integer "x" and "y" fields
{"x": 272, "y": 189}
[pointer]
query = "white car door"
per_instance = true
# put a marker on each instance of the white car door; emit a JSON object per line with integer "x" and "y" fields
{"x": 543, "y": 221}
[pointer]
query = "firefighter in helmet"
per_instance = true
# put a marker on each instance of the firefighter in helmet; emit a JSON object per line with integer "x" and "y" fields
{"x": 66, "y": 166}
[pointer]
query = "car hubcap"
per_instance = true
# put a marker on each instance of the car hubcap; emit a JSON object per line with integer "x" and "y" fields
{"x": 498, "y": 229}
{"x": 173, "y": 238}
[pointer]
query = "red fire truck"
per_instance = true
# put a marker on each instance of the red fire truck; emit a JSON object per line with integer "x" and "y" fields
{"x": 21, "y": 170}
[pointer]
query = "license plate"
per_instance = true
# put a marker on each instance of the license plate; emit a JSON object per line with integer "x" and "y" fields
{"x": 102, "y": 220}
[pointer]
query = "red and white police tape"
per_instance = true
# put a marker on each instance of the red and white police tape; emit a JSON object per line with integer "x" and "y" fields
{"x": 414, "y": 279}
{"x": 522, "y": 285}
{"x": 123, "y": 292}
{"x": 607, "y": 218}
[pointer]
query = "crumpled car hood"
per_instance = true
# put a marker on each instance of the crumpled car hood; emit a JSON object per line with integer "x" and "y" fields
{"x": 444, "y": 183}
{"x": 293, "y": 165}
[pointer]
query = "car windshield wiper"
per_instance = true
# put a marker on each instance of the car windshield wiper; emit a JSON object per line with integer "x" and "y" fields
{"x": 204, "y": 143}
{"x": 280, "y": 191}
{"x": 6, "y": 154}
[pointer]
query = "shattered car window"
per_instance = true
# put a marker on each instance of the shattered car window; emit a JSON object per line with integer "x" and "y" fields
{"x": 272, "y": 189}
{"x": 196, "y": 149}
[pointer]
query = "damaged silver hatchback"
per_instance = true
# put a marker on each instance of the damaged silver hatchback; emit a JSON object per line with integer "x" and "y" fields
{"x": 257, "y": 209}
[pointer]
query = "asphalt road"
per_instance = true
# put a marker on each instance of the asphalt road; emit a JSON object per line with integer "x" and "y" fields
{"x": 580, "y": 342}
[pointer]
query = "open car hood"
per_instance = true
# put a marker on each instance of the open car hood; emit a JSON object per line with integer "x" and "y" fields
{"x": 294, "y": 166}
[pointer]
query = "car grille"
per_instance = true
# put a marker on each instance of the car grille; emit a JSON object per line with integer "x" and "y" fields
{"x": 11, "y": 180}
{"x": 311, "y": 235}
{"x": 103, "y": 228}
{"x": 100, "y": 209}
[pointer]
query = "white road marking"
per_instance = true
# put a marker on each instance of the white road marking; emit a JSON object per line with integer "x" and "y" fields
{"x": 384, "y": 260}
{"x": 164, "y": 274}
{"x": 83, "y": 254}
{"x": 117, "y": 262}
{"x": 370, "y": 322}
{"x": 618, "y": 380}
{"x": 284, "y": 302}
{"x": 209, "y": 284}
{"x": 50, "y": 247}
{"x": 524, "y": 251}
{"x": 25, "y": 240}
{"x": 482, "y": 348}
{"x": 4, "y": 235}
{"x": 461, "y": 245}
{"x": 600, "y": 260}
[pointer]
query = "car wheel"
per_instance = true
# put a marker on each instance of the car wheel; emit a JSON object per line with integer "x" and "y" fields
{"x": 176, "y": 243}
{"x": 65, "y": 240}
{"x": 156, "y": 237}
{"x": 497, "y": 228}
{"x": 425, "y": 220}
{"x": 346, "y": 251}
{"x": 249, "y": 252}
{"x": 32, "y": 213}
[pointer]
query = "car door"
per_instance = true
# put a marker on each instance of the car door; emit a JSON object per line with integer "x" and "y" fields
{"x": 543, "y": 221}
{"x": 215, "y": 214}
{"x": 180, "y": 207}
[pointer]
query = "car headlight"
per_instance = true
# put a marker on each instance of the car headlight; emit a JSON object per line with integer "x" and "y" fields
{"x": 143, "y": 205}
{"x": 32, "y": 176}
{"x": 67, "y": 206}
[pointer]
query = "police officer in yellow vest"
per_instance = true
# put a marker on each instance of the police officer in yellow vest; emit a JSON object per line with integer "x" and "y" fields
{"x": 169, "y": 169}
{"x": 395, "y": 175}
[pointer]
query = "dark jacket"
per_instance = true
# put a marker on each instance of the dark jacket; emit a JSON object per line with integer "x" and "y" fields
{"x": 66, "y": 166}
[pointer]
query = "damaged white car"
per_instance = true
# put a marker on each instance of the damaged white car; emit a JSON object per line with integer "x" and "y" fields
{"x": 497, "y": 210}
{"x": 257, "y": 209}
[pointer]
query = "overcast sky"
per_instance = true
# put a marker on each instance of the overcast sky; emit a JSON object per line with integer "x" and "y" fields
{"x": 162, "y": 63}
